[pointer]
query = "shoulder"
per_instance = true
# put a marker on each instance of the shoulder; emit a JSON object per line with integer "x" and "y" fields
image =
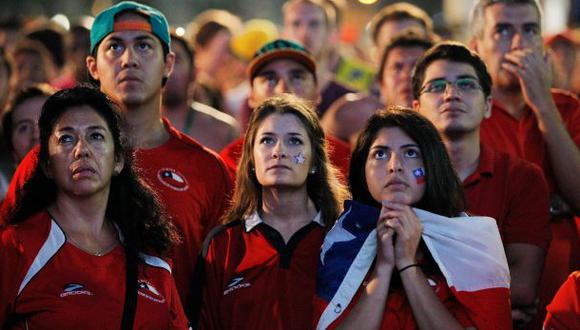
{"x": 221, "y": 235}
{"x": 567, "y": 103}
{"x": 187, "y": 148}
{"x": 214, "y": 116}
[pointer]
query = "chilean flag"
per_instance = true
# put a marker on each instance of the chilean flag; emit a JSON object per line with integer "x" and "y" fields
{"x": 468, "y": 251}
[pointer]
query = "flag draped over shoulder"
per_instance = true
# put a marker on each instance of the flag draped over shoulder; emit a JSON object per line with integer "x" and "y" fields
{"x": 468, "y": 251}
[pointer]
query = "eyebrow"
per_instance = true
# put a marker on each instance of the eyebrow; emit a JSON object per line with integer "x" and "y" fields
{"x": 380, "y": 146}
{"x": 290, "y": 133}
{"x": 91, "y": 128}
{"x": 138, "y": 38}
{"x": 458, "y": 77}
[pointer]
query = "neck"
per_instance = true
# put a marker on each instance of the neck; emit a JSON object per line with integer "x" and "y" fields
{"x": 145, "y": 127}
{"x": 176, "y": 113}
{"x": 464, "y": 153}
{"x": 512, "y": 101}
{"x": 287, "y": 210}
{"x": 81, "y": 215}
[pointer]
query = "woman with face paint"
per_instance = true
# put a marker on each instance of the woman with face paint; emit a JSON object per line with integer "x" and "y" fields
{"x": 409, "y": 198}
{"x": 287, "y": 195}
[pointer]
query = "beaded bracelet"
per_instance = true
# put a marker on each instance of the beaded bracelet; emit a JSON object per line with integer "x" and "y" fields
{"x": 411, "y": 265}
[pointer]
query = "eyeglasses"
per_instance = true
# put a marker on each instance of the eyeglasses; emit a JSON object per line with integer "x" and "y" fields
{"x": 438, "y": 86}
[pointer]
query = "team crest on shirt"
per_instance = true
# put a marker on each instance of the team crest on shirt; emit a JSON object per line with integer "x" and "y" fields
{"x": 148, "y": 291}
{"x": 235, "y": 284}
{"x": 75, "y": 289}
{"x": 173, "y": 179}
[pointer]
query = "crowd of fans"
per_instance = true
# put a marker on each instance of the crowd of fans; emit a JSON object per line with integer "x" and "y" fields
{"x": 234, "y": 176}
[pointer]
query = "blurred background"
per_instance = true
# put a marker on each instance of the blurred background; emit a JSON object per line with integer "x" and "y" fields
{"x": 449, "y": 16}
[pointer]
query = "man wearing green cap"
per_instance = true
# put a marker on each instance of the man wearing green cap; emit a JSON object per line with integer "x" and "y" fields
{"x": 131, "y": 60}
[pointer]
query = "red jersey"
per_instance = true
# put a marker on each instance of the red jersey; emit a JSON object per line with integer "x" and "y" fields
{"x": 564, "y": 310}
{"x": 338, "y": 154}
{"x": 192, "y": 183}
{"x": 47, "y": 283}
{"x": 513, "y": 192}
{"x": 398, "y": 313}
{"x": 254, "y": 280}
{"x": 522, "y": 137}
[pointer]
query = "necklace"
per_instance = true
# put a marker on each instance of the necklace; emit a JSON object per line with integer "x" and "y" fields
{"x": 97, "y": 253}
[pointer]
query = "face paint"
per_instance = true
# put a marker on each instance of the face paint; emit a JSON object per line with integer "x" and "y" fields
{"x": 299, "y": 159}
{"x": 419, "y": 175}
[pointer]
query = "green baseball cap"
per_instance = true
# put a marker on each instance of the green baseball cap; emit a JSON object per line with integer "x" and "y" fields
{"x": 280, "y": 49}
{"x": 105, "y": 22}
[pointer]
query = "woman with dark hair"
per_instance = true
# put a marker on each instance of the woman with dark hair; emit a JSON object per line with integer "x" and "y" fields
{"x": 407, "y": 257}
{"x": 81, "y": 242}
{"x": 259, "y": 267}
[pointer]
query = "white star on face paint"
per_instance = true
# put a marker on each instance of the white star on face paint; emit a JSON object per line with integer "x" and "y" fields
{"x": 299, "y": 159}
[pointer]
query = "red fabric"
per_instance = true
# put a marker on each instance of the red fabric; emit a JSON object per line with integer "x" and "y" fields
{"x": 522, "y": 138}
{"x": 514, "y": 193}
{"x": 192, "y": 183}
{"x": 97, "y": 305}
{"x": 485, "y": 309}
{"x": 564, "y": 310}
{"x": 248, "y": 285}
{"x": 338, "y": 154}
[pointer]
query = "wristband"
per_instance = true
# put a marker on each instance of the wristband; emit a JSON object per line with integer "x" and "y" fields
{"x": 406, "y": 267}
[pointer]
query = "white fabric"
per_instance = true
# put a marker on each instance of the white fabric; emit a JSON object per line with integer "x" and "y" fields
{"x": 468, "y": 250}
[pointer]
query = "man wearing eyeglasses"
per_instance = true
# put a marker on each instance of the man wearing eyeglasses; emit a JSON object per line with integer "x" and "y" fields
{"x": 452, "y": 88}
{"x": 531, "y": 121}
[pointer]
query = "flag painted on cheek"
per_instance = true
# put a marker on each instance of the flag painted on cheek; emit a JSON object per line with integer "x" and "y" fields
{"x": 299, "y": 159}
{"x": 419, "y": 175}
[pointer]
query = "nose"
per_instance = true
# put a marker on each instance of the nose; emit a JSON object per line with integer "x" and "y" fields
{"x": 394, "y": 164}
{"x": 35, "y": 135}
{"x": 518, "y": 41}
{"x": 81, "y": 149}
{"x": 279, "y": 151}
{"x": 451, "y": 91}
{"x": 128, "y": 58}
{"x": 283, "y": 86}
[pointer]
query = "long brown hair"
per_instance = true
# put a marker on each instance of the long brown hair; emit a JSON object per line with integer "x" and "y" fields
{"x": 323, "y": 187}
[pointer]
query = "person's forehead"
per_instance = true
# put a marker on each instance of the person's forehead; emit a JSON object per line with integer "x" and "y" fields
{"x": 447, "y": 68}
{"x": 282, "y": 65}
{"x": 297, "y": 11}
{"x": 281, "y": 123}
{"x": 523, "y": 13}
{"x": 405, "y": 53}
{"x": 392, "y": 28}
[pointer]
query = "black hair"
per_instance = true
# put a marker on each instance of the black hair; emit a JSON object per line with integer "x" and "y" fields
{"x": 132, "y": 205}
{"x": 443, "y": 190}
{"x": 455, "y": 52}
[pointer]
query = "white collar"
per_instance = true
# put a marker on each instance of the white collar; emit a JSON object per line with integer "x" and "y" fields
{"x": 254, "y": 219}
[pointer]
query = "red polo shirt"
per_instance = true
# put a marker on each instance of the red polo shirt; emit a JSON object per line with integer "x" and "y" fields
{"x": 254, "y": 280}
{"x": 513, "y": 192}
{"x": 522, "y": 137}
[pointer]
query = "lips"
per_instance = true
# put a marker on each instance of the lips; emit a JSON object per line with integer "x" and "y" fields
{"x": 81, "y": 171}
{"x": 452, "y": 108}
{"x": 396, "y": 183}
{"x": 129, "y": 77}
{"x": 278, "y": 167}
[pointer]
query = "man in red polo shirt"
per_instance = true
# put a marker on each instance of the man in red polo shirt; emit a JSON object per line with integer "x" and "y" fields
{"x": 531, "y": 121}
{"x": 452, "y": 87}
{"x": 282, "y": 66}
